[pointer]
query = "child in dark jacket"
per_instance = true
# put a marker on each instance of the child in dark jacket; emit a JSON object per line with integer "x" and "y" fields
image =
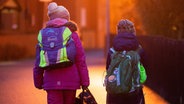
{"x": 61, "y": 83}
{"x": 126, "y": 40}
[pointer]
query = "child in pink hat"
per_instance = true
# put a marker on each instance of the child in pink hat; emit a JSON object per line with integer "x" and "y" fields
{"x": 61, "y": 83}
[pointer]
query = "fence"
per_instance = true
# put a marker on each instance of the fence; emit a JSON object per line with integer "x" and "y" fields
{"x": 165, "y": 67}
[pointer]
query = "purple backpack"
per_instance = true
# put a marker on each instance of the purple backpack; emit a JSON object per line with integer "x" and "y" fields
{"x": 57, "y": 48}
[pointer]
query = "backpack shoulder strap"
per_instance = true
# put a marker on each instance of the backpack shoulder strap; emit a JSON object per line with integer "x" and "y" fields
{"x": 112, "y": 50}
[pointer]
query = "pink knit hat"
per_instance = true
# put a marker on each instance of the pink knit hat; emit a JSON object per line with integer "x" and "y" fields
{"x": 126, "y": 25}
{"x": 55, "y": 11}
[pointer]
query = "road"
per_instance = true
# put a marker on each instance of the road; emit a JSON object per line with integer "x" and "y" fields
{"x": 16, "y": 83}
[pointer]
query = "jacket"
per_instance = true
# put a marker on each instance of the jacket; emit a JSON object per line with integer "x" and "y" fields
{"x": 126, "y": 41}
{"x": 63, "y": 78}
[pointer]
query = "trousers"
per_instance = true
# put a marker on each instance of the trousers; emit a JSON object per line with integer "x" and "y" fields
{"x": 136, "y": 97}
{"x": 61, "y": 96}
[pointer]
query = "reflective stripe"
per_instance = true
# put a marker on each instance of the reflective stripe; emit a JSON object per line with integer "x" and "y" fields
{"x": 46, "y": 58}
{"x": 62, "y": 55}
{"x": 40, "y": 38}
{"x": 42, "y": 59}
{"x": 66, "y": 35}
{"x": 65, "y": 54}
{"x": 58, "y": 56}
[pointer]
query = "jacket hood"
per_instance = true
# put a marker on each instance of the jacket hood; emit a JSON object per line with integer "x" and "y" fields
{"x": 125, "y": 41}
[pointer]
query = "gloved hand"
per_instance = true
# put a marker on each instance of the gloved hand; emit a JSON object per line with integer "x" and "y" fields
{"x": 84, "y": 87}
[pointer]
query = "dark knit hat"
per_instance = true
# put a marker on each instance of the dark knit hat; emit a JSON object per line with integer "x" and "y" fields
{"x": 126, "y": 25}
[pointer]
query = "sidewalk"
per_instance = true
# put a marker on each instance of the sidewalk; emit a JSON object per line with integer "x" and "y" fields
{"x": 17, "y": 87}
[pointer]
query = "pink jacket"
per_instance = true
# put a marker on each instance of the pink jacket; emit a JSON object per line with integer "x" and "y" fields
{"x": 66, "y": 78}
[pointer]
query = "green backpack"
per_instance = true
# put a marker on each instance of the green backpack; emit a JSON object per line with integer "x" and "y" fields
{"x": 123, "y": 75}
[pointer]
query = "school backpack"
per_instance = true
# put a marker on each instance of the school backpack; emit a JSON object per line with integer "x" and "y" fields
{"x": 123, "y": 74}
{"x": 57, "y": 48}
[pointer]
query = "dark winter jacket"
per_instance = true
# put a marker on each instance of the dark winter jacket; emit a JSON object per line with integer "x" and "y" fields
{"x": 125, "y": 41}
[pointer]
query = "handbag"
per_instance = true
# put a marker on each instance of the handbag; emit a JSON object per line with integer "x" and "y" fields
{"x": 85, "y": 97}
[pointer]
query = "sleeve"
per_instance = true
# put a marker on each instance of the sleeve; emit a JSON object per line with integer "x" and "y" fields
{"x": 143, "y": 65}
{"x": 37, "y": 72}
{"x": 143, "y": 75}
{"x": 80, "y": 61}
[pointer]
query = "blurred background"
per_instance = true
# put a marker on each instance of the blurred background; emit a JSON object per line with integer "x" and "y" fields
{"x": 159, "y": 25}
{"x": 96, "y": 19}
